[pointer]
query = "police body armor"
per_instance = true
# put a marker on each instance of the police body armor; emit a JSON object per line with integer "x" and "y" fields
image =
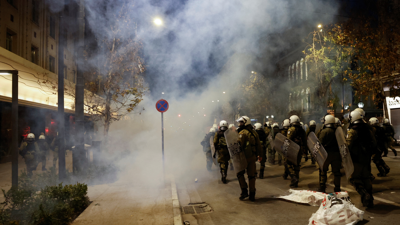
{"x": 237, "y": 155}
{"x": 318, "y": 151}
{"x": 344, "y": 153}
{"x": 288, "y": 148}
{"x": 213, "y": 151}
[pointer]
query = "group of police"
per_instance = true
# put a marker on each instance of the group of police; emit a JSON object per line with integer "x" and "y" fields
{"x": 362, "y": 143}
{"x": 34, "y": 152}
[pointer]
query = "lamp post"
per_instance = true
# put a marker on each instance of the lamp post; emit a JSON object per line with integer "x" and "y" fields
{"x": 14, "y": 121}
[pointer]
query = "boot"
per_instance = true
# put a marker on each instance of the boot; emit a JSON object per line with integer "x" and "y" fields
{"x": 252, "y": 196}
{"x": 386, "y": 168}
{"x": 223, "y": 179}
{"x": 285, "y": 175}
{"x": 294, "y": 182}
{"x": 244, "y": 194}
{"x": 372, "y": 177}
{"x": 382, "y": 172}
{"x": 261, "y": 174}
{"x": 322, "y": 188}
{"x": 394, "y": 152}
{"x": 367, "y": 200}
{"x": 337, "y": 189}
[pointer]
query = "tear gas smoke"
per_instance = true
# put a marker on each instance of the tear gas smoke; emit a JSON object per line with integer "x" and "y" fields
{"x": 202, "y": 52}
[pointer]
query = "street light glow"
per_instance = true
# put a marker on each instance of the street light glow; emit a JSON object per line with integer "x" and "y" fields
{"x": 319, "y": 25}
{"x": 158, "y": 22}
{"x": 162, "y": 93}
{"x": 223, "y": 92}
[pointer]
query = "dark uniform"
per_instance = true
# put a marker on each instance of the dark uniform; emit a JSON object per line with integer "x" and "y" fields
{"x": 297, "y": 134}
{"x": 309, "y": 130}
{"x": 30, "y": 151}
{"x": 207, "y": 149}
{"x": 286, "y": 172}
{"x": 327, "y": 138}
{"x": 264, "y": 142}
{"x": 362, "y": 144}
{"x": 223, "y": 153}
{"x": 44, "y": 148}
{"x": 250, "y": 144}
{"x": 390, "y": 140}
{"x": 383, "y": 168}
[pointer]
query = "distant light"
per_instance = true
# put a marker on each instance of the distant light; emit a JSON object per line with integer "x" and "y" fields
{"x": 267, "y": 117}
{"x": 217, "y": 100}
{"x": 361, "y": 105}
{"x": 320, "y": 30}
{"x": 319, "y": 25}
{"x": 203, "y": 108}
{"x": 272, "y": 116}
{"x": 213, "y": 101}
{"x": 223, "y": 92}
{"x": 204, "y": 114}
{"x": 158, "y": 21}
{"x": 162, "y": 93}
{"x": 254, "y": 72}
{"x": 346, "y": 107}
{"x": 179, "y": 115}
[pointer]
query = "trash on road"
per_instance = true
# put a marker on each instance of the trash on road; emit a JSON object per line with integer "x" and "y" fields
{"x": 336, "y": 210}
{"x": 312, "y": 198}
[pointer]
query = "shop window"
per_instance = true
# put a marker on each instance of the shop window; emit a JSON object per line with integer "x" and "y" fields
{"x": 11, "y": 41}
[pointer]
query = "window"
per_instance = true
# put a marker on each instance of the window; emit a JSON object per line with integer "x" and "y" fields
{"x": 52, "y": 64}
{"x": 11, "y": 41}
{"x": 305, "y": 70}
{"x": 289, "y": 73}
{"x": 35, "y": 11}
{"x": 34, "y": 54}
{"x": 301, "y": 68}
{"x": 293, "y": 72}
{"x": 11, "y": 2}
{"x": 65, "y": 73}
{"x": 34, "y": 34}
{"x": 12, "y": 18}
{"x": 308, "y": 99}
{"x": 52, "y": 27}
{"x": 297, "y": 70}
{"x": 51, "y": 47}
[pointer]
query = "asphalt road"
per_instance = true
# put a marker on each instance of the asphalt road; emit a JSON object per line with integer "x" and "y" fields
{"x": 228, "y": 209}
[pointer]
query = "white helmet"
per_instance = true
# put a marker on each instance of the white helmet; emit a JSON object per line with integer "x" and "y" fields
{"x": 328, "y": 119}
{"x": 42, "y": 137}
{"x": 245, "y": 120}
{"x": 258, "y": 126}
{"x": 268, "y": 124}
{"x": 295, "y": 120}
{"x": 223, "y": 125}
{"x": 275, "y": 125}
{"x": 301, "y": 123}
{"x": 338, "y": 122}
{"x": 373, "y": 121}
{"x": 30, "y": 135}
{"x": 386, "y": 121}
{"x": 313, "y": 123}
{"x": 286, "y": 123}
{"x": 362, "y": 112}
{"x": 355, "y": 116}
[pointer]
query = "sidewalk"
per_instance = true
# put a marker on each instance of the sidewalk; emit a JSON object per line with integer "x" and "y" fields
{"x": 121, "y": 203}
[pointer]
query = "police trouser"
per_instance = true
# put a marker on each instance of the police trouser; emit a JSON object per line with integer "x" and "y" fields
{"x": 361, "y": 178}
{"x": 42, "y": 159}
{"x": 55, "y": 156}
{"x": 271, "y": 155}
{"x": 264, "y": 159}
{"x": 223, "y": 160}
{"x": 209, "y": 160}
{"x": 335, "y": 160}
{"x": 292, "y": 169}
{"x": 31, "y": 162}
{"x": 380, "y": 164}
{"x": 251, "y": 170}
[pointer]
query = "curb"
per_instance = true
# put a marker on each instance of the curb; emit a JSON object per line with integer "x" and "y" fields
{"x": 176, "y": 207}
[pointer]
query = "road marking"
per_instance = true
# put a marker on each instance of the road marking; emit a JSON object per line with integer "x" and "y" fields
{"x": 376, "y": 198}
{"x": 175, "y": 203}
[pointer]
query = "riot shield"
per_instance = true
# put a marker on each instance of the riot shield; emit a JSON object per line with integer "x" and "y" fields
{"x": 345, "y": 128}
{"x": 213, "y": 151}
{"x": 318, "y": 151}
{"x": 237, "y": 155}
{"x": 271, "y": 141}
{"x": 344, "y": 152}
{"x": 287, "y": 148}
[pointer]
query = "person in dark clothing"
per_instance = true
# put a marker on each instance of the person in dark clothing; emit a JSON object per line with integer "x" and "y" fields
{"x": 263, "y": 140}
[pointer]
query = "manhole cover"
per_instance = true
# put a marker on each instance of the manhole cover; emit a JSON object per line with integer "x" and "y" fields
{"x": 199, "y": 208}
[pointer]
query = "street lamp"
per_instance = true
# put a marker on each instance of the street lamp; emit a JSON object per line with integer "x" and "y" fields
{"x": 158, "y": 21}
{"x": 360, "y": 105}
{"x": 272, "y": 116}
{"x": 319, "y": 25}
{"x": 14, "y": 121}
{"x": 267, "y": 117}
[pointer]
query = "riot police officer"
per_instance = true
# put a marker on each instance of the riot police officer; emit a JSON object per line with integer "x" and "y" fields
{"x": 297, "y": 134}
{"x": 44, "y": 148}
{"x": 271, "y": 150}
{"x": 379, "y": 133}
{"x": 222, "y": 149}
{"x": 29, "y": 149}
{"x": 284, "y": 132}
{"x": 390, "y": 140}
{"x": 264, "y": 143}
{"x": 251, "y": 146}
{"x": 207, "y": 148}
{"x": 362, "y": 144}
{"x": 327, "y": 139}
{"x": 310, "y": 129}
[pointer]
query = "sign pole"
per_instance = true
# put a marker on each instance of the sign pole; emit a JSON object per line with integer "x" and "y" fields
{"x": 162, "y": 135}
